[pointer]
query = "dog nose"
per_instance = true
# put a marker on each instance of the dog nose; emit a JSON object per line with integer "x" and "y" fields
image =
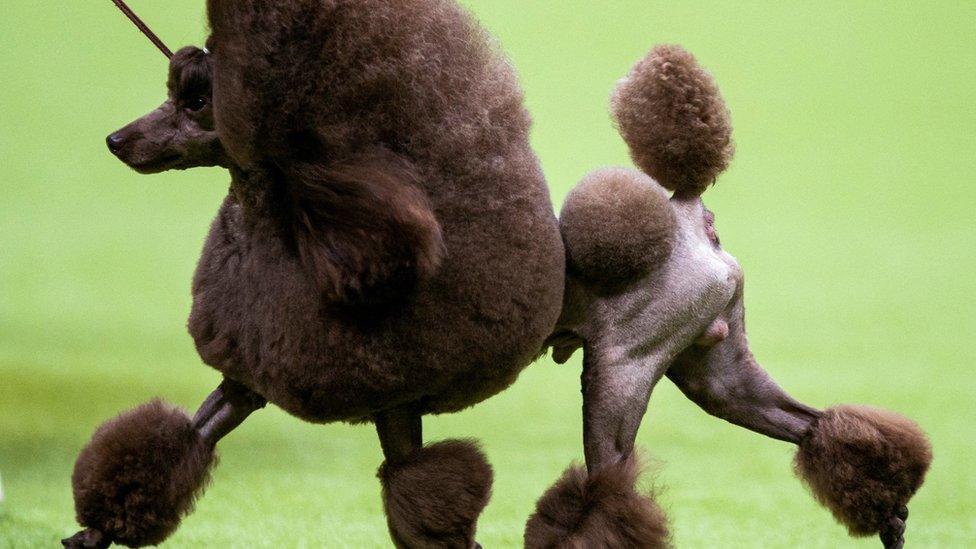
{"x": 115, "y": 142}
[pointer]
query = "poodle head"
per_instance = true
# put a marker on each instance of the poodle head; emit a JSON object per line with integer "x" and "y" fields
{"x": 180, "y": 133}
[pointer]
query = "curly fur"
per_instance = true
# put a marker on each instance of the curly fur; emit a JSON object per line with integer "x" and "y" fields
{"x": 671, "y": 114}
{"x": 140, "y": 474}
{"x": 863, "y": 464}
{"x": 434, "y": 497}
{"x": 601, "y": 510}
{"x": 190, "y": 74}
{"x": 617, "y": 225}
{"x": 380, "y": 157}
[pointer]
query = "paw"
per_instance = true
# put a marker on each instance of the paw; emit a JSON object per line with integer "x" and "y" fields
{"x": 88, "y": 538}
{"x": 893, "y": 533}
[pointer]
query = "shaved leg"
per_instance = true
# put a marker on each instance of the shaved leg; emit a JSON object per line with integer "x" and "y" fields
{"x": 225, "y": 409}
{"x": 400, "y": 432}
{"x": 841, "y": 449}
{"x": 601, "y": 506}
{"x": 616, "y": 391}
{"x": 726, "y": 382}
{"x": 720, "y": 375}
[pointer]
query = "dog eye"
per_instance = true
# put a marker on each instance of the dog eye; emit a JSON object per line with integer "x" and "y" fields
{"x": 196, "y": 103}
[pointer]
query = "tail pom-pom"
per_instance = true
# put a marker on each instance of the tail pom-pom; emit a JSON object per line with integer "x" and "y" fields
{"x": 599, "y": 510}
{"x": 864, "y": 465}
{"x": 140, "y": 474}
{"x": 672, "y": 116}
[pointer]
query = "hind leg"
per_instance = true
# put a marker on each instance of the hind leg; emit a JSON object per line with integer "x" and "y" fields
{"x": 142, "y": 471}
{"x": 615, "y": 398}
{"x": 863, "y": 464}
{"x": 741, "y": 393}
{"x": 600, "y": 506}
{"x": 432, "y": 494}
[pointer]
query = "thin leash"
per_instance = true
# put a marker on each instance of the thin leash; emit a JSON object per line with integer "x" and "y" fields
{"x": 143, "y": 27}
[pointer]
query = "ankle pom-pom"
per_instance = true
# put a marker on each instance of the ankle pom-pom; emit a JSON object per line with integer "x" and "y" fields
{"x": 434, "y": 497}
{"x": 140, "y": 474}
{"x": 863, "y": 464}
{"x": 599, "y": 510}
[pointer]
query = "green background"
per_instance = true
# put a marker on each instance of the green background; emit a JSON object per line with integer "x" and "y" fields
{"x": 850, "y": 206}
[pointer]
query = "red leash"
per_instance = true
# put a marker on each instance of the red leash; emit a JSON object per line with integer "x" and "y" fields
{"x": 143, "y": 27}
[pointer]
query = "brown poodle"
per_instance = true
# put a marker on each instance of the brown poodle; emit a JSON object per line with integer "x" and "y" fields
{"x": 651, "y": 293}
{"x": 388, "y": 249}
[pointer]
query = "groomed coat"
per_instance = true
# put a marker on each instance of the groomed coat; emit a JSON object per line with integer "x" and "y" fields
{"x": 388, "y": 238}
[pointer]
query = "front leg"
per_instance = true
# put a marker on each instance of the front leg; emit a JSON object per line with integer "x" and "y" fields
{"x": 225, "y": 409}
{"x": 432, "y": 494}
{"x": 143, "y": 470}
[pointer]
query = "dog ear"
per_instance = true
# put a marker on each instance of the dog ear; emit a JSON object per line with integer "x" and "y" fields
{"x": 364, "y": 228}
{"x": 190, "y": 73}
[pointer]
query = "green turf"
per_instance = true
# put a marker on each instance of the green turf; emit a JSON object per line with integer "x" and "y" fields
{"x": 850, "y": 206}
